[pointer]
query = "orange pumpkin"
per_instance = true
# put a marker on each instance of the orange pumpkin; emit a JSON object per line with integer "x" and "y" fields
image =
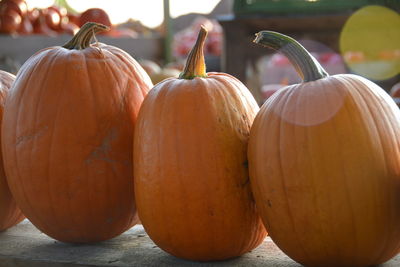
{"x": 191, "y": 178}
{"x": 68, "y": 136}
{"x": 10, "y": 214}
{"x": 324, "y": 158}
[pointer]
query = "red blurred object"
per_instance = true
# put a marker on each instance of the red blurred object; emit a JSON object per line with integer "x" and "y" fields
{"x": 395, "y": 91}
{"x": 9, "y": 21}
{"x": 69, "y": 28}
{"x": 18, "y": 6}
{"x": 33, "y": 15}
{"x": 53, "y": 19}
{"x": 62, "y": 12}
{"x": 72, "y": 18}
{"x": 25, "y": 27}
{"x": 40, "y": 26}
{"x": 95, "y": 15}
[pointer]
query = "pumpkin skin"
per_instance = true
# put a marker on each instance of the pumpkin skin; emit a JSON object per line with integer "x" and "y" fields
{"x": 191, "y": 178}
{"x": 67, "y": 140}
{"x": 325, "y": 171}
{"x": 10, "y": 214}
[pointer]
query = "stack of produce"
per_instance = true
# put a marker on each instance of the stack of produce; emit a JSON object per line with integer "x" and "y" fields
{"x": 17, "y": 19}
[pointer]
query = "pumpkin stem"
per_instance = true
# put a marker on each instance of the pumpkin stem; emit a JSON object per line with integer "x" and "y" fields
{"x": 305, "y": 64}
{"x": 83, "y": 37}
{"x": 195, "y": 66}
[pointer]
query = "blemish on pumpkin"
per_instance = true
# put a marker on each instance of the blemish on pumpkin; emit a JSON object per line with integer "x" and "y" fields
{"x": 101, "y": 152}
{"x": 269, "y": 203}
{"x": 246, "y": 182}
{"x": 246, "y": 164}
{"x": 29, "y": 137}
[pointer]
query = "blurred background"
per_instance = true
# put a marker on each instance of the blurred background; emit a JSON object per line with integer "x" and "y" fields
{"x": 358, "y": 36}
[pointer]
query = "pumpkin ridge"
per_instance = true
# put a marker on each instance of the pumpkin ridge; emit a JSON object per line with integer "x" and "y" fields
{"x": 345, "y": 175}
{"x": 122, "y": 88}
{"x": 245, "y": 101}
{"x": 89, "y": 199}
{"x": 42, "y": 64}
{"x": 88, "y": 85}
{"x": 281, "y": 170}
{"x": 51, "y": 144}
{"x": 137, "y": 71}
{"x": 160, "y": 112}
{"x": 331, "y": 209}
{"x": 317, "y": 200}
{"x": 72, "y": 132}
{"x": 381, "y": 253}
{"x": 372, "y": 116}
{"x": 10, "y": 93}
{"x": 378, "y": 104}
{"x": 111, "y": 130}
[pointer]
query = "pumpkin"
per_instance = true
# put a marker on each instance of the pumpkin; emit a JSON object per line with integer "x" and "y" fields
{"x": 191, "y": 178}
{"x": 25, "y": 28}
{"x": 41, "y": 27}
{"x": 18, "y": 6}
{"x": 95, "y": 15}
{"x": 149, "y": 66}
{"x": 68, "y": 136}
{"x": 10, "y": 214}
{"x": 163, "y": 74}
{"x": 9, "y": 22}
{"x": 324, "y": 159}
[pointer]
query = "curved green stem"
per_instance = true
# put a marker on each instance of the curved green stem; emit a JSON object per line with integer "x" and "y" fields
{"x": 195, "y": 65}
{"x": 83, "y": 37}
{"x": 305, "y": 64}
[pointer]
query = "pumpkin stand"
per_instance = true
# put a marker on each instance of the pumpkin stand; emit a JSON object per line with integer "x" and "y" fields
{"x": 24, "y": 245}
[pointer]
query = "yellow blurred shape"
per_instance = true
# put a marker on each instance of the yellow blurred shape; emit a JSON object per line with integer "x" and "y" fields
{"x": 370, "y": 42}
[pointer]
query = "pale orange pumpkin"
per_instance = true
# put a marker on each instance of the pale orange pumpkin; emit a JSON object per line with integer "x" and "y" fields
{"x": 324, "y": 159}
{"x": 191, "y": 178}
{"x": 10, "y": 214}
{"x": 68, "y": 136}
